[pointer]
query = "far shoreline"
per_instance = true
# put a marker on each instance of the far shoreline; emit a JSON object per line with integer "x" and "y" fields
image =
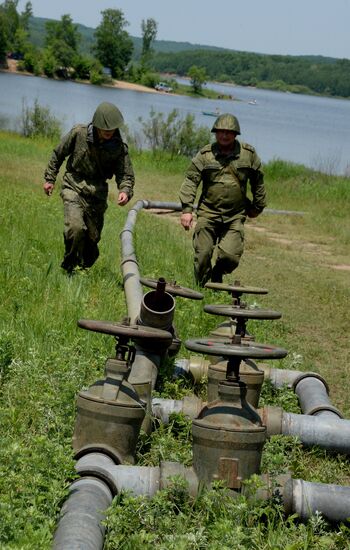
{"x": 119, "y": 84}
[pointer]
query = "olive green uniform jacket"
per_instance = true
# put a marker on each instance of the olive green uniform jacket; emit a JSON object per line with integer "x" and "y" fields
{"x": 90, "y": 163}
{"x": 84, "y": 191}
{"x": 224, "y": 181}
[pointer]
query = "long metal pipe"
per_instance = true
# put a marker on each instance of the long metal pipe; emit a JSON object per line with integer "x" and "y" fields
{"x": 331, "y": 433}
{"x": 80, "y": 525}
{"x": 299, "y": 497}
{"x": 81, "y": 521}
{"x": 310, "y": 387}
{"x": 306, "y": 499}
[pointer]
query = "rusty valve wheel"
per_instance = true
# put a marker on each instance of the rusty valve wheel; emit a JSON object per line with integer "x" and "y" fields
{"x": 247, "y": 350}
{"x": 173, "y": 289}
{"x": 236, "y": 289}
{"x": 242, "y": 312}
{"x": 133, "y": 332}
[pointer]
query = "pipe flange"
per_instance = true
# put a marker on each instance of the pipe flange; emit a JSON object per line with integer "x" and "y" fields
{"x": 309, "y": 375}
{"x": 99, "y": 448}
{"x": 324, "y": 408}
{"x": 99, "y": 466}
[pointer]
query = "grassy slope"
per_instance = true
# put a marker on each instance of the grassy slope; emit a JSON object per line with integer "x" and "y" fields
{"x": 45, "y": 360}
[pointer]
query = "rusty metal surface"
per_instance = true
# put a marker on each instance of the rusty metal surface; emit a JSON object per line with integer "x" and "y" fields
{"x": 131, "y": 331}
{"x": 247, "y": 312}
{"x": 226, "y": 348}
{"x": 236, "y": 289}
{"x": 173, "y": 288}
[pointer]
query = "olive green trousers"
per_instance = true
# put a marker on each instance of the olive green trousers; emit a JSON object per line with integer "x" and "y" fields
{"x": 83, "y": 224}
{"x": 226, "y": 239}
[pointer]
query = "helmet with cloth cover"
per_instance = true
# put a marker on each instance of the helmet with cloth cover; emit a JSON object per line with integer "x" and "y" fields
{"x": 227, "y": 122}
{"x": 107, "y": 117}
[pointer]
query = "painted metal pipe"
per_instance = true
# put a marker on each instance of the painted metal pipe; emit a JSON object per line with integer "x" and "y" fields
{"x": 331, "y": 433}
{"x": 81, "y": 520}
{"x": 129, "y": 266}
{"x": 80, "y": 524}
{"x": 307, "y": 499}
{"x": 190, "y": 406}
{"x": 140, "y": 480}
{"x": 279, "y": 377}
{"x": 196, "y": 367}
{"x": 299, "y": 497}
{"x": 310, "y": 387}
{"x": 313, "y": 394}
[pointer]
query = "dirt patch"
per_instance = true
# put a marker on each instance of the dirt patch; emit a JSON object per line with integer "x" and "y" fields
{"x": 340, "y": 267}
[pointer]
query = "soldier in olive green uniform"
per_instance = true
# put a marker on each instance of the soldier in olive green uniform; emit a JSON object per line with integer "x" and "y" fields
{"x": 95, "y": 153}
{"x": 224, "y": 169}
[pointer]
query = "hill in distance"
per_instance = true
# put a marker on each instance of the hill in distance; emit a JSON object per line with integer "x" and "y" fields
{"x": 37, "y": 31}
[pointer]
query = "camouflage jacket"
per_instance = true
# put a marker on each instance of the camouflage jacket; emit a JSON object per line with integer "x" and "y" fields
{"x": 91, "y": 162}
{"x": 224, "y": 181}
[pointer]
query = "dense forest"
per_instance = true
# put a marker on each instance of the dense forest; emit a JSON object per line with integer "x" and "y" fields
{"x": 303, "y": 74}
{"x": 70, "y": 50}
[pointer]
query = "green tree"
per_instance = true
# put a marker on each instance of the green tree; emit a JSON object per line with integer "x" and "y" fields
{"x": 113, "y": 44}
{"x": 26, "y": 15}
{"x": 64, "y": 30}
{"x": 3, "y": 39}
{"x": 62, "y": 39}
{"x": 8, "y": 10}
{"x": 198, "y": 77}
{"x": 149, "y": 32}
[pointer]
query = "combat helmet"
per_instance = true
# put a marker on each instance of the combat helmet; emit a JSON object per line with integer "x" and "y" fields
{"x": 226, "y": 122}
{"x": 107, "y": 117}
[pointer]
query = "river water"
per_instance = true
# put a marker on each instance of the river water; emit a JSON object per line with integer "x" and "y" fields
{"x": 314, "y": 131}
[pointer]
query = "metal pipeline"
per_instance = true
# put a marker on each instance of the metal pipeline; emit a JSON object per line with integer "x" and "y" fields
{"x": 306, "y": 499}
{"x": 80, "y": 524}
{"x": 190, "y": 406}
{"x": 331, "y": 433}
{"x": 310, "y": 387}
{"x": 299, "y": 497}
{"x": 144, "y": 369}
{"x": 81, "y": 520}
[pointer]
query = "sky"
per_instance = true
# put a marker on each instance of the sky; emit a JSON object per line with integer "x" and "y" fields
{"x": 282, "y": 27}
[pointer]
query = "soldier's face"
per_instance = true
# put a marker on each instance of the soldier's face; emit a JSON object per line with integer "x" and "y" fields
{"x": 105, "y": 135}
{"x": 225, "y": 138}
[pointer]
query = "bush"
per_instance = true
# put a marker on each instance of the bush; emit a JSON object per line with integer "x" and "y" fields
{"x": 96, "y": 77}
{"x": 174, "y": 135}
{"x": 38, "y": 121}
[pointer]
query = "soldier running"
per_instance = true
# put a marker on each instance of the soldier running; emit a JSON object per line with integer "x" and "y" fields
{"x": 223, "y": 168}
{"x": 96, "y": 152}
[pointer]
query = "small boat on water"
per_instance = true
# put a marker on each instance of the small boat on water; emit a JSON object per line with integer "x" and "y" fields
{"x": 252, "y": 102}
{"x": 211, "y": 113}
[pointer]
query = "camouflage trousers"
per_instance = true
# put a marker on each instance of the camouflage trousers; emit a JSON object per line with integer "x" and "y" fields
{"x": 83, "y": 223}
{"x": 225, "y": 239}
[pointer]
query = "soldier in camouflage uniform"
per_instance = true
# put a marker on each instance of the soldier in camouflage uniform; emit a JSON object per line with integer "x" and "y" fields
{"x": 95, "y": 153}
{"x": 224, "y": 169}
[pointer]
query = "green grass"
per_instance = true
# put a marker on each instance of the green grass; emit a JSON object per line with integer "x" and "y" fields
{"x": 45, "y": 359}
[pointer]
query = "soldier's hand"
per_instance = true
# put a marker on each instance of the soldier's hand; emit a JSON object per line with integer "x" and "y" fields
{"x": 123, "y": 198}
{"x": 186, "y": 220}
{"x": 48, "y": 188}
{"x": 252, "y": 212}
